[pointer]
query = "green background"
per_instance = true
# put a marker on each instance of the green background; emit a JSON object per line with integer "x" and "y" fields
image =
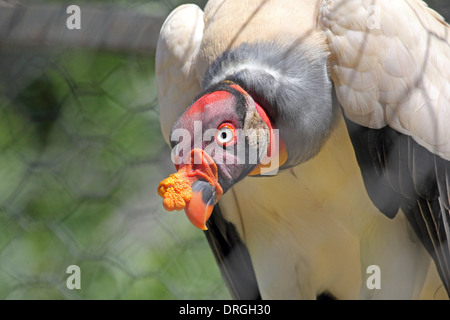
{"x": 81, "y": 155}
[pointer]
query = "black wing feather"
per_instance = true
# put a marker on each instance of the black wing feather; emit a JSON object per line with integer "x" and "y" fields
{"x": 232, "y": 257}
{"x": 400, "y": 174}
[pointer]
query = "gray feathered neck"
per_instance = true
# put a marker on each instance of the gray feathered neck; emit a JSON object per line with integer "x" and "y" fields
{"x": 291, "y": 83}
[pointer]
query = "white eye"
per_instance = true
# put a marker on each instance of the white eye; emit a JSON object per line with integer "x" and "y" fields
{"x": 225, "y": 134}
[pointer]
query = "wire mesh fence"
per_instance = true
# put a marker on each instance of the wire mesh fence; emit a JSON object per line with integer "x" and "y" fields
{"x": 81, "y": 157}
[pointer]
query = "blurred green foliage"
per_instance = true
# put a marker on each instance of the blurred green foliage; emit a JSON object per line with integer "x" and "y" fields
{"x": 81, "y": 155}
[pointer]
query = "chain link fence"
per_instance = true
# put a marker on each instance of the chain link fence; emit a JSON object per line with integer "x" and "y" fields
{"x": 81, "y": 155}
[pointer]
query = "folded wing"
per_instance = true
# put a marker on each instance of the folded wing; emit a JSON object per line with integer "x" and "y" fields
{"x": 390, "y": 64}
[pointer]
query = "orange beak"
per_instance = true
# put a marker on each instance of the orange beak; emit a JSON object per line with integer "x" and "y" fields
{"x": 194, "y": 188}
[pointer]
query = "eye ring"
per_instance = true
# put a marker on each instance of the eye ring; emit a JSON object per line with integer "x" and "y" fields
{"x": 226, "y": 135}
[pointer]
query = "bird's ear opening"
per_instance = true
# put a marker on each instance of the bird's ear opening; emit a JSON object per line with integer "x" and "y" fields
{"x": 275, "y": 154}
{"x": 262, "y": 136}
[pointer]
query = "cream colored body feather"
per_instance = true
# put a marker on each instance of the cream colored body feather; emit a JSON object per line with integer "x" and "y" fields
{"x": 318, "y": 230}
{"x": 314, "y": 228}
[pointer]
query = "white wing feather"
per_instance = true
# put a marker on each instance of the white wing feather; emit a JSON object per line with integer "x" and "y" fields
{"x": 390, "y": 63}
{"x": 176, "y": 52}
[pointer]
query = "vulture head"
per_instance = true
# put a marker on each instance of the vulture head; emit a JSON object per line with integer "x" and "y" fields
{"x": 221, "y": 138}
{"x": 253, "y": 118}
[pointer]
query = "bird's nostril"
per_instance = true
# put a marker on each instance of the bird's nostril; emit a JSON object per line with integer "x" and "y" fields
{"x": 197, "y": 166}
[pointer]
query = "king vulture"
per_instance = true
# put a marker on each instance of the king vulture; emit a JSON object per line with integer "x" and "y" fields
{"x": 311, "y": 140}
